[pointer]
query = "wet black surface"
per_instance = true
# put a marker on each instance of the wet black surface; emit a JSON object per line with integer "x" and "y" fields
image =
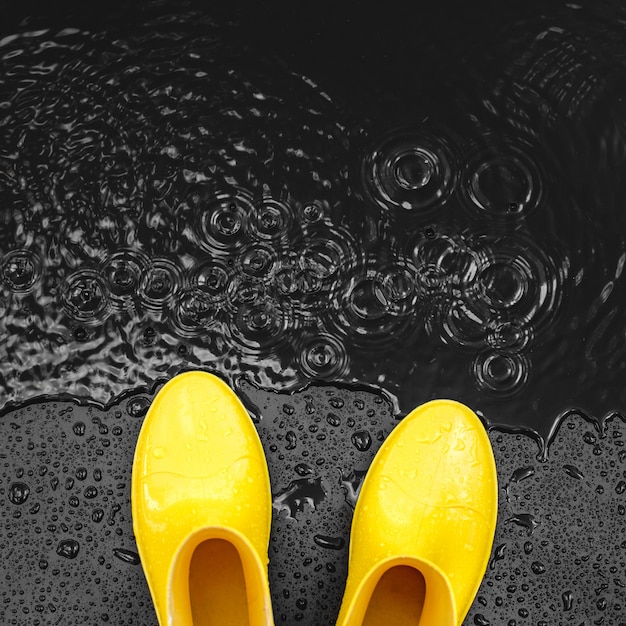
{"x": 69, "y": 557}
{"x": 423, "y": 207}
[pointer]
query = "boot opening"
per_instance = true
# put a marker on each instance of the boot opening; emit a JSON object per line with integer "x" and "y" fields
{"x": 398, "y": 598}
{"x": 217, "y": 585}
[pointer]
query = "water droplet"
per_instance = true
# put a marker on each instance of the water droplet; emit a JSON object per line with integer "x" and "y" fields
{"x": 538, "y": 567}
{"x": 68, "y": 548}
{"x": 589, "y": 437}
{"x": 329, "y": 543}
{"x": 336, "y": 402}
{"x": 333, "y": 420}
{"x": 303, "y": 469}
{"x": 292, "y": 440}
{"x": 499, "y": 552}
{"x": 19, "y": 492}
{"x": 127, "y": 556}
{"x": 568, "y": 600}
{"x": 79, "y": 429}
{"x": 298, "y": 493}
{"x": 138, "y": 407}
{"x": 361, "y": 440}
{"x": 351, "y": 485}
{"x": 525, "y": 520}
{"x": 522, "y": 473}
{"x": 573, "y": 471}
{"x": 309, "y": 406}
{"x": 90, "y": 492}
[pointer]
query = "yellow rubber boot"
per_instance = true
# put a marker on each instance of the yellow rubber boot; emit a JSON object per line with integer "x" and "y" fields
{"x": 201, "y": 506}
{"x": 424, "y": 522}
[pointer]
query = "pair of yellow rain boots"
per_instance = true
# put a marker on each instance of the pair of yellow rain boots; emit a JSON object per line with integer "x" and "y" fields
{"x": 421, "y": 534}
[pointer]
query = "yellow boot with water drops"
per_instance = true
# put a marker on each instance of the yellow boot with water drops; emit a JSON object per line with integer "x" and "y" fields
{"x": 424, "y": 522}
{"x": 201, "y": 506}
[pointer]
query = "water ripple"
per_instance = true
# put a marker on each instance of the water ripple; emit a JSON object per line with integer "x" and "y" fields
{"x": 224, "y": 222}
{"x": 499, "y": 372}
{"x": 21, "y": 270}
{"x": 85, "y": 297}
{"x": 370, "y": 316}
{"x": 272, "y": 220}
{"x": 123, "y": 272}
{"x": 262, "y": 326}
{"x": 172, "y": 198}
{"x": 517, "y": 279}
{"x": 410, "y": 170}
{"x": 212, "y": 277}
{"x": 323, "y": 357}
{"x": 193, "y": 313}
{"x": 503, "y": 178}
{"x": 160, "y": 284}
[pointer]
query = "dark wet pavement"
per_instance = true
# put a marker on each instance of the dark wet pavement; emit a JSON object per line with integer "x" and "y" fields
{"x": 69, "y": 557}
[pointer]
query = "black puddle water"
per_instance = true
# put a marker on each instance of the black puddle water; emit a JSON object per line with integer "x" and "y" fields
{"x": 297, "y": 199}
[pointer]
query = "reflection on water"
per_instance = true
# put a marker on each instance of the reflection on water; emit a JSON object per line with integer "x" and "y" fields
{"x": 171, "y": 198}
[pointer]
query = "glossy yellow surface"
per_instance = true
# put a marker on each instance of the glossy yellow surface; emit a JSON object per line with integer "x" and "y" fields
{"x": 428, "y": 504}
{"x": 201, "y": 505}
